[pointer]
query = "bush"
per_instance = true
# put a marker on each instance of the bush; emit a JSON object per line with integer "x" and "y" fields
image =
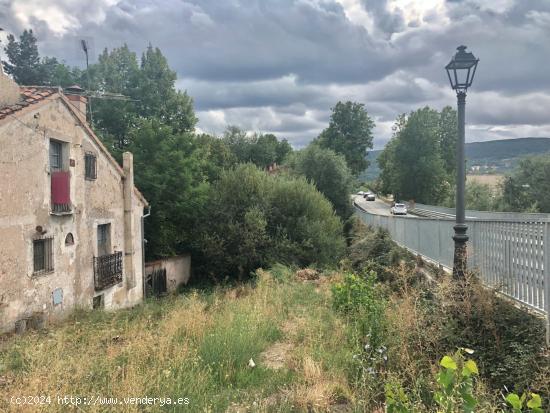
{"x": 358, "y": 299}
{"x": 507, "y": 340}
{"x": 257, "y": 220}
{"x": 373, "y": 250}
{"x": 330, "y": 174}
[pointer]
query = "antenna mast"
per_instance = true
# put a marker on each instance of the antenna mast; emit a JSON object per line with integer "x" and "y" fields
{"x": 1, "y": 65}
{"x": 85, "y": 49}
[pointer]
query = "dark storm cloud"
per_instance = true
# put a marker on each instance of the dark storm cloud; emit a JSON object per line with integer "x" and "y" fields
{"x": 279, "y": 65}
{"x": 386, "y": 21}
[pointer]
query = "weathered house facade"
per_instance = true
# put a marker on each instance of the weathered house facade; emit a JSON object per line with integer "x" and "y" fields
{"x": 70, "y": 216}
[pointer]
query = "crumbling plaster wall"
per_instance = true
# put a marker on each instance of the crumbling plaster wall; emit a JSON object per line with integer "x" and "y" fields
{"x": 25, "y": 204}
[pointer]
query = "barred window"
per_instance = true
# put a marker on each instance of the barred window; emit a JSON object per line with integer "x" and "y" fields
{"x": 90, "y": 164}
{"x": 43, "y": 255}
{"x": 56, "y": 155}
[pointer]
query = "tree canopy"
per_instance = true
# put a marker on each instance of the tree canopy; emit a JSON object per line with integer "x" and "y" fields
{"x": 349, "y": 133}
{"x": 27, "y": 68}
{"x": 329, "y": 172}
{"x": 256, "y": 219}
{"x": 417, "y": 162}
{"x": 528, "y": 187}
{"x": 260, "y": 149}
{"x": 170, "y": 170}
{"x": 151, "y": 87}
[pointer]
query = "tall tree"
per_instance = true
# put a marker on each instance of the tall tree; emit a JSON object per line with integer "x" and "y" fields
{"x": 216, "y": 156}
{"x": 151, "y": 86}
{"x": 329, "y": 172}
{"x": 28, "y": 69}
{"x": 24, "y": 60}
{"x": 260, "y": 149}
{"x": 412, "y": 162}
{"x": 169, "y": 169}
{"x": 527, "y": 189}
{"x": 350, "y": 134}
{"x": 55, "y": 73}
{"x": 158, "y": 96}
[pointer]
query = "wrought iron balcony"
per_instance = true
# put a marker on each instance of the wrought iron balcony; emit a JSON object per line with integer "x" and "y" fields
{"x": 107, "y": 270}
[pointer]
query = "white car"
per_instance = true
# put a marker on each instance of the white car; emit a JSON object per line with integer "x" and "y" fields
{"x": 361, "y": 193}
{"x": 398, "y": 209}
{"x": 369, "y": 196}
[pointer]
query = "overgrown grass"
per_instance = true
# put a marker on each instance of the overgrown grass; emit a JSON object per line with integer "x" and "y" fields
{"x": 196, "y": 345}
{"x": 341, "y": 341}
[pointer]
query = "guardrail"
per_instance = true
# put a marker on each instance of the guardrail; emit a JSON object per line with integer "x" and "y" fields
{"x": 510, "y": 255}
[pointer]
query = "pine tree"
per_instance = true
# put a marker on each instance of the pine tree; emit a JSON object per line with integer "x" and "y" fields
{"x": 24, "y": 60}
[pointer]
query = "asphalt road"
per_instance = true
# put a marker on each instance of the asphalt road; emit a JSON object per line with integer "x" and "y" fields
{"x": 376, "y": 207}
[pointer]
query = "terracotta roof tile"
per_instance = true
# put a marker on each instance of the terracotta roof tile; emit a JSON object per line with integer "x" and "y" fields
{"x": 29, "y": 95}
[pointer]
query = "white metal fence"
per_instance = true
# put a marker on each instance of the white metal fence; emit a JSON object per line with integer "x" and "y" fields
{"x": 511, "y": 254}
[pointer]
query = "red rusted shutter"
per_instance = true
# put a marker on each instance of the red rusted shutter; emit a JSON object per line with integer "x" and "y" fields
{"x": 61, "y": 188}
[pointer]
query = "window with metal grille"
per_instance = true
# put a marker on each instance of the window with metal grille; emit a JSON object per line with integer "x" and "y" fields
{"x": 107, "y": 270}
{"x": 90, "y": 164}
{"x": 56, "y": 155}
{"x": 43, "y": 255}
{"x": 103, "y": 239}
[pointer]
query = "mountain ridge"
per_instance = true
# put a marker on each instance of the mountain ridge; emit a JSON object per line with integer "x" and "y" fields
{"x": 497, "y": 156}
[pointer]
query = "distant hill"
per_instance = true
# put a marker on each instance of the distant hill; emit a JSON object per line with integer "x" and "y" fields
{"x": 372, "y": 172}
{"x": 494, "y": 157}
{"x": 502, "y": 156}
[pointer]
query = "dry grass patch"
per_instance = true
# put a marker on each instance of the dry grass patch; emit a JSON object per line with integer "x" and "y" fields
{"x": 493, "y": 180}
{"x": 195, "y": 345}
{"x": 276, "y": 356}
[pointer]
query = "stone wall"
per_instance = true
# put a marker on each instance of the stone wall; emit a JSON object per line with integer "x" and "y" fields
{"x": 178, "y": 270}
{"x": 25, "y": 206}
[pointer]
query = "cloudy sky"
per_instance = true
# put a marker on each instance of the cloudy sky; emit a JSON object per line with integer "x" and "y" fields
{"x": 279, "y": 65}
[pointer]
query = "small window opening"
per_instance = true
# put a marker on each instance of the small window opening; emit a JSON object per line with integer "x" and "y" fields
{"x": 69, "y": 239}
{"x": 98, "y": 302}
{"x": 43, "y": 255}
{"x": 90, "y": 164}
{"x": 103, "y": 239}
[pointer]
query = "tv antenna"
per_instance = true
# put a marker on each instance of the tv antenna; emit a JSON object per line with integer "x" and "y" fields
{"x": 87, "y": 46}
{"x": 84, "y": 45}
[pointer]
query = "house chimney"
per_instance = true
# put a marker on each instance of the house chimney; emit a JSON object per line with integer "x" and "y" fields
{"x": 75, "y": 95}
{"x": 9, "y": 91}
{"x": 129, "y": 224}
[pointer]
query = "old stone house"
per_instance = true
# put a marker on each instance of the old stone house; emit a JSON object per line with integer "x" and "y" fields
{"x": 70, "y": 216}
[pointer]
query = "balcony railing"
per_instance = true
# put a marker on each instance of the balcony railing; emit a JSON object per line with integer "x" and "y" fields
{"x": 107, "y": 270}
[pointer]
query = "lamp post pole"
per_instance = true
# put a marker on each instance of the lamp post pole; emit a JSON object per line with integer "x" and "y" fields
{"x": 460, "y": 238}
{"x": 461, "y": 70}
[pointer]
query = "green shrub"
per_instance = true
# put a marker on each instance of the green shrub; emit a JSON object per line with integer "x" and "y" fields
{"x": 257, "y": 220}
{"x": 329, "y": 172}
{"x": 374, "y": 250}
{"x": 508, "y": 341}
{"x": 534, "y": 404}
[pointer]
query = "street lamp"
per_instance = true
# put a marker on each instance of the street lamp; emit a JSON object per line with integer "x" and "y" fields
{"x": 461, "y": 70}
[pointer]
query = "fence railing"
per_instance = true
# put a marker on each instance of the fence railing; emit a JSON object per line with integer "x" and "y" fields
{"x": 510, "y": 255}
